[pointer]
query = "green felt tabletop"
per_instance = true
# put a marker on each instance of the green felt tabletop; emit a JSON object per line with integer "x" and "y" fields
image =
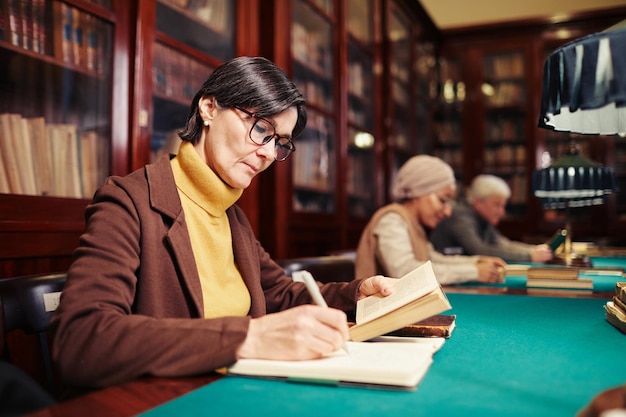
{"x": 508, "y": 356}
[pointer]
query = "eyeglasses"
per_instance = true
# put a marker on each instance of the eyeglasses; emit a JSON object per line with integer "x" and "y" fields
{"x": 444, "y": 200}
{"x": 262, "y": 132}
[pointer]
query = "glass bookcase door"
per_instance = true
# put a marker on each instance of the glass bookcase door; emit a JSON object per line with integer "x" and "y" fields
{"x": 448, "y": 128}
{"x": 401, "y": 142}
{"x": 206, "y": 26}
{"x": 425, "y": 93}
{"x": 206, "y": 31}
{"x": 504, "y": 97}
{"x": 314, "y": 162}
{"x": 400, "y": 69}
{"x": 360, "y": 179}
{"x": 175, "y": 79}
{"x": 55, "y": 101}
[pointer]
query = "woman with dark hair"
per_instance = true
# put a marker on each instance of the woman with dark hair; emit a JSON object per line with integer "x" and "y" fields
{"x": 169, "y": 279}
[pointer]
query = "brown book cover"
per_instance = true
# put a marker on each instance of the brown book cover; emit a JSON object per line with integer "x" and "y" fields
{"x": 42, "y": 155}
{"x": 440, "y": 325}
{"x": 62, "y": 32}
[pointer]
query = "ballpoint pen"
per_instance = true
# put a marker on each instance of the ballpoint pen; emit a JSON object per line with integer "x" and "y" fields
{"x": 314, "y": 290}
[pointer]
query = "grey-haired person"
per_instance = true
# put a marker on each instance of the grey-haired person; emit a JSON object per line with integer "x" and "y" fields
{"x": 472, "y": 227}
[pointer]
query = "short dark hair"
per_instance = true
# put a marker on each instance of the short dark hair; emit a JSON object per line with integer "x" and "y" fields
{"x": 253, "y": 83}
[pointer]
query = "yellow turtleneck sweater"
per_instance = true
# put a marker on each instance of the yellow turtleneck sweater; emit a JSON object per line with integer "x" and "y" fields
{"x": 205, "y": 198}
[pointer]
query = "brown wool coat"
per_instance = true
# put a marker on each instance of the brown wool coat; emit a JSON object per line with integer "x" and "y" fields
{"x": 132, "y": 302}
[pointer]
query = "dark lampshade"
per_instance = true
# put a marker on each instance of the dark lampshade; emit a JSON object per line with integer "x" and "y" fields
{"x": 573, "y": 181}
{"x": 584, "y": 85}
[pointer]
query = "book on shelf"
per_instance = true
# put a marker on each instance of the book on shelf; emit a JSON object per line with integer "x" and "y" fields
{"x": 416, "y": 296}
{"x": 62, "y": 32}
{"x": 11, "y": 10}
{"x": 9, "y": 157}
{"x": 42, "y": 154}
{"x": 24, "y": 152}
{"x": 65, "y": 159}
{"x": 373, "y": 364}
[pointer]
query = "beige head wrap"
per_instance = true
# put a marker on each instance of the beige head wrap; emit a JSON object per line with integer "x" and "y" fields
{"x": 422, "y": 175}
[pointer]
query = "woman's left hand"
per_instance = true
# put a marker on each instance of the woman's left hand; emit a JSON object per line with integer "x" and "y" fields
{"x": 377, "y": 284}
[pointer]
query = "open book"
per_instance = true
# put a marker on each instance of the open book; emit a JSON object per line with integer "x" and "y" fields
{"x": 375, "y": 364}
{"x": 416, "y": 296}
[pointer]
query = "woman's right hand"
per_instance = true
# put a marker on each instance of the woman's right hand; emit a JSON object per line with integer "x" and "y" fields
{"x": 490, "y": 269}
{"x": 299, "y": 333}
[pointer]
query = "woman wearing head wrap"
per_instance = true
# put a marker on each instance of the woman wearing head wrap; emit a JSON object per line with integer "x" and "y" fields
{"x": 394, "y": 241}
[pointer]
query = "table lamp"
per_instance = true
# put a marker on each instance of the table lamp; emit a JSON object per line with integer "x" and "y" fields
{"x": 583, "y": 91}
{"x": 572, "y": 181}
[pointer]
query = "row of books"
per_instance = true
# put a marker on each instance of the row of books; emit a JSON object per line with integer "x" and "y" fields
{"x": 506, "y": 94}
{"x": 55, "y": 29}
{"x": 360, "y": 175}
{"x": 39, "y": 158}
{"x": 506, "y": 155}
{"x": 505, "y": 129}
{"x": 316, "y": 92}
{"x": 448, "y": 132}
{"x": 312, "y": 163}
{"x": 79, "y": 38}
{"x": 505, "y": 66}
{"x": 312, "y": 49}
{"x": 616, "y": 308}
{"x": 22, "y": 24}
{"x": 214, "y": 13}
{"x": 357, "y": 84}
{"x": 175, "y": 75}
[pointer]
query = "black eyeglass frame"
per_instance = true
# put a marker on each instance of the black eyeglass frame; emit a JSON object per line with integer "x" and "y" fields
{"x": 288, "y": 146}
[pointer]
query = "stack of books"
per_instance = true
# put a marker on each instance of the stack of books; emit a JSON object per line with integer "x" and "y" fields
{"x": 616, "y": 308}
{"x": 557, "y": 278}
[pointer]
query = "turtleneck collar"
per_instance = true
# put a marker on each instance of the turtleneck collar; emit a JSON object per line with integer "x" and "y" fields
{"x": 200, "y": 183}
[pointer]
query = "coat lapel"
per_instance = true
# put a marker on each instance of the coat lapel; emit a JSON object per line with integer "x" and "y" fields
{"x": 164, "y": 199}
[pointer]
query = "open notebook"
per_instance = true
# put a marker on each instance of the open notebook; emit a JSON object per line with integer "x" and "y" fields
{"x": 383, "y": 364}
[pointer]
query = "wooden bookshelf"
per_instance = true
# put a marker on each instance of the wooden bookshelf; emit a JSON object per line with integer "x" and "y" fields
{"x": 58, "y": 123}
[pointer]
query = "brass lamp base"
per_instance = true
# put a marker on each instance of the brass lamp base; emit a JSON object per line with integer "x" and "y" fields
{"x": 573, "y": 259}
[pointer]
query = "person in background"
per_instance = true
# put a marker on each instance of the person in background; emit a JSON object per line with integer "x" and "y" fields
{"x": 168, "y": 279}
{"x": 471, "y": 229}
{"x": 395, "y": 240}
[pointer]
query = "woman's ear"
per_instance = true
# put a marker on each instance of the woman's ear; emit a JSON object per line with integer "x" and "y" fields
{"x": 207, "y": 107}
